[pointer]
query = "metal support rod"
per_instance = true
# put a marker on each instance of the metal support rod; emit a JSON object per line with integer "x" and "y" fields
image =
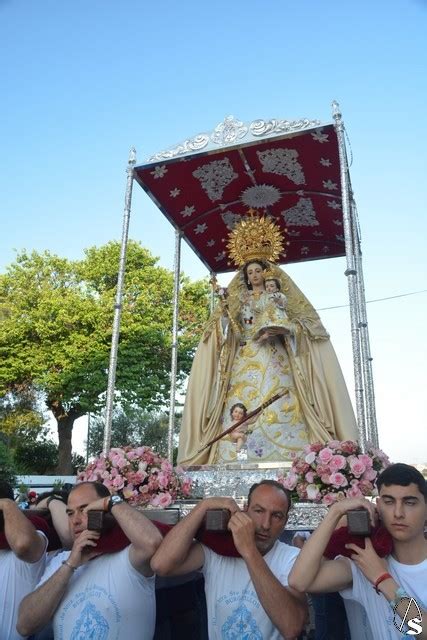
{"x": 351, "y": 275}
{"x": 212, "y": 298}
{"x": 371, "y": 420}
{"x": 118, "y": 304}
{"x": 174, "y": 356}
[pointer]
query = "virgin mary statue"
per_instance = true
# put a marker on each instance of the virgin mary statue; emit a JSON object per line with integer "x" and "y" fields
{"x": 252, "y": 350}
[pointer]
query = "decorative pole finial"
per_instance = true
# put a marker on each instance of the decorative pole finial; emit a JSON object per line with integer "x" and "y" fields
{"x": 132, "y": 156}
{"x": 336, "y": 111}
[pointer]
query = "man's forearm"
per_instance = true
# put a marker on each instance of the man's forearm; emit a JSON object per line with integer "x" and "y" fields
{"x": 309, "y": 559}
{"x": 143, "y": 534}
{"x": 38, "y": 608}
{"x": 388, "y": 588}
{"x": 21, "y": 535}
{"x": 286, "y": 612}
{"x": 178, "y": 541}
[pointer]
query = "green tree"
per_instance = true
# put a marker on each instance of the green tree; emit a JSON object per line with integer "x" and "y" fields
{"x": 7, "y": 466}
{"x": 134, "y": 428}
{"x": 56, "y": 334}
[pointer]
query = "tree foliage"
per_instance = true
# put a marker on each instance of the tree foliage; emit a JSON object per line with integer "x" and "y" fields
{"x": 56, "y": 329}
{"x": 134, "y": 428}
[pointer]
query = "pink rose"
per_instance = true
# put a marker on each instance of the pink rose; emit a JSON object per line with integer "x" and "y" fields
{"x": 349, "y": 446}
{"x": 325, "y": 478}
{"x": 118, "y": 482}
{"x": 316, "y": 446}
{"x": 310, "y": 476}
{"x": 325, "y": 455}
{"x": 163, "y": 479}
{"x": 337, "y": 462}
{"x": 367, "y": 460}
{"x": 370, "y": 475}
{"x": 290, "y": 481}
{"x": 329, "y": 498}
{"x": 333, "y": 444}
{"x": 353, "y": 492}
{"x": 366, "y": 487}
{"x": 165, "y": 499}
{"x": 357, "y": 467}
{"x": 338, "y": 480}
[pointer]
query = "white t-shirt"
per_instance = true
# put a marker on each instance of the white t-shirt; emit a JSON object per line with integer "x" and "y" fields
{"x": 17, "y": 579}
{"x": 412, "y": 577}
{"x": 106, "y": 599}
{"x": 234, "y": 610}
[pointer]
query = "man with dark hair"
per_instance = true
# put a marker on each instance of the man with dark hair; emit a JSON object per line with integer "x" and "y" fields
{"x": 83, "y": 591}
{"x": 383, "y": 586}
{"x": 247, "y": 596}
{"x": 22, "y": 560}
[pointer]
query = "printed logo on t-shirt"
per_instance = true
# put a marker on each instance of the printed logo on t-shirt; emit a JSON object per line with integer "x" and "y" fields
{"x": 241, "y": 624}
{"x": 92, "y": 613}
{"x": 90, "y": 624}
{"x": 236, "y": 615}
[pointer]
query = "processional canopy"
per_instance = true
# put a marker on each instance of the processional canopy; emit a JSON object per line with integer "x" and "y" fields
{"x": 286, "y": 170}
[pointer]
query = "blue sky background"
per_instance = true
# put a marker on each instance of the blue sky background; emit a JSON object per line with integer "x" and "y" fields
{"x": 84, "y": 80}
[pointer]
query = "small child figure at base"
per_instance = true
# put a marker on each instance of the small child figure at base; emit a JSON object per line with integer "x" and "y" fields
{"x": 237, "y": 412}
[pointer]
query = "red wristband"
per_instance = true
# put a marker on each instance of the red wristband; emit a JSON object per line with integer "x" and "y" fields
{"x": 382, "y": 577}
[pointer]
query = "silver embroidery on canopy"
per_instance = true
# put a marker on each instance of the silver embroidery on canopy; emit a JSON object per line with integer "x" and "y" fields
{"x": 302, "y": 214}
{"x": 282, "y": 162}
{"x": 214, "y": 177}
{"x": 230, "y": 219}
{"x": 260, "y": 195}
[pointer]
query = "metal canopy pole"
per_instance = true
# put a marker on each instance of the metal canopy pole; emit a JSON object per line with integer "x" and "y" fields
{"x": 371, "y": 420}
{"x": 118, "y": 304}
{"x": 351, "y": 274}
{"x": 174, "y": 356}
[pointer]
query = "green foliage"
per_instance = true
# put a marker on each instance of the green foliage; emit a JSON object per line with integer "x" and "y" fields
{"x": 7, "y": 467}
{"x": 56, "y": 327}
{"x": 134, "y": 428}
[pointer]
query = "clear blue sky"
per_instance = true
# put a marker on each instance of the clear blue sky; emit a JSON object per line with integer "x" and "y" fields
{"x": 82, "y": 81}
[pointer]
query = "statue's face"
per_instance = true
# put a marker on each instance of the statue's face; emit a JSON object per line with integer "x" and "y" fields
{"x": 271, "y": 286}
{"x": 255, "y": 274}
{"x": 237, "y": 414}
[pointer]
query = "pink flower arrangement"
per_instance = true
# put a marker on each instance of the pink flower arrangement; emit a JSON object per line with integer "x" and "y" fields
{"x": 330, "y": 472}
{"x": 139, "y": 475}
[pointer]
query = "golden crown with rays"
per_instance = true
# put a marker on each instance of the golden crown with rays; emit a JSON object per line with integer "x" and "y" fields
{"x": 256, "y": 238}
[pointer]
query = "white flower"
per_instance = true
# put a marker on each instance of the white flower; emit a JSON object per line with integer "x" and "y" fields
{"x": 325, "y": 162}
{"x": 201, "y": 228}
{"x": 174, "y": 192}
{"x": 210, "y": 243}
{"x": 310, "y": 457}
{"x": 220, "y": 256}
{"x": 159, "y": 171}
{"x": 338, "y": 223}
{"x": 333, "y": 204}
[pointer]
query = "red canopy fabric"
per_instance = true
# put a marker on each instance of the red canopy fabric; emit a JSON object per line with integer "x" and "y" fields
{"x": 294, "y": 178}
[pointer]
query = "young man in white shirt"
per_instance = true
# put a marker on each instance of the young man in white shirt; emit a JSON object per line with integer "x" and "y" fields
{"x": 383, "y": 586}
{"x": 84, "y": 592}
{"x": 21, "y": 565}
{"x": 247, "y": 596}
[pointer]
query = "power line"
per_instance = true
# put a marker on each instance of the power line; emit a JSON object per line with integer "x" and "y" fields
{"x": 401, "y": 295}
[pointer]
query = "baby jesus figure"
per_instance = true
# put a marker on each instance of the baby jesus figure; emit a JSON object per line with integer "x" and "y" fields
{"x": 274, "y": 319}
{"x": 238, "y": 435}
